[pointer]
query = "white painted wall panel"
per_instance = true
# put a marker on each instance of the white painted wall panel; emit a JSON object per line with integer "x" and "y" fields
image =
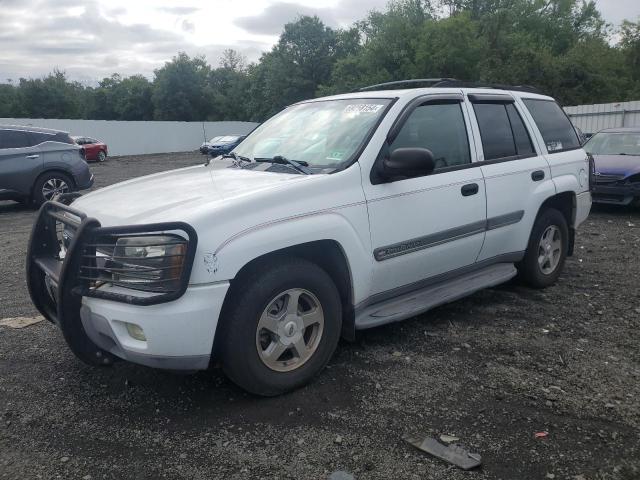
{"x": 137, "y": 138}
{"x": 593, "y": 118}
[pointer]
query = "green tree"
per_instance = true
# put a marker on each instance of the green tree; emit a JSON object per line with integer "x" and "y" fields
{"x": 180, "y": 89}
{"x": 630, "y": 46}
{"x": 450, "y": 47}
{"x": 9, "y": 105}
{"x": 50, "y": 97}
{"x": 229, "y": 83}
{"x": 296, "y": 66}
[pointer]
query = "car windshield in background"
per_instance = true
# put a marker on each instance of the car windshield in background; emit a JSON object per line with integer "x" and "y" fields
{"x": 614, "y": 144}
{"x": 322, "y": 134}
{"x": 226, "y": 139}
{"x": 214, "y": 139}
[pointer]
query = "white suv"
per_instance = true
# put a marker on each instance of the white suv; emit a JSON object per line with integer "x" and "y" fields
{"x": 338, "y": 214}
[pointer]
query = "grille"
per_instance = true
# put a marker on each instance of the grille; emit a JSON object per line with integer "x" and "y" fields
{"x": 604, "y": 179}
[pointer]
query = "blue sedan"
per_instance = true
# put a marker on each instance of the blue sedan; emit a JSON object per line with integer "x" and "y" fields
{"x": 224, "y": 144}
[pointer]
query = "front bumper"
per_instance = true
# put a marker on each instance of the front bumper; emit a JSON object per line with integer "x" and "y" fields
{"x": 179, "y": 326}
{"x": 84, "y": 181}
{"x": 616, "y": 194}
{"x": 179, "y": 335}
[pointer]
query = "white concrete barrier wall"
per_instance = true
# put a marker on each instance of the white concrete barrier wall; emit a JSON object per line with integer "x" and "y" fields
{"x": 593, "y": 118}
{"x": 137, "y": 138}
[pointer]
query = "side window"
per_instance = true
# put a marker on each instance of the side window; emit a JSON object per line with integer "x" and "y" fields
{"x": 38, "y": 138}
{"x": 495, "y": 130}
{"x": 62, "y": 137}
{"x": 520, "y": 134}
{"x": 554, "y": 125}
{"x": 14, "y": 139}
{"x": 441, "y": 129}
{"x": 502, "y": 131}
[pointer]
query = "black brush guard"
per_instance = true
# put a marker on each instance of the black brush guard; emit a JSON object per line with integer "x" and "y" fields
{"x": 54, "y": 283}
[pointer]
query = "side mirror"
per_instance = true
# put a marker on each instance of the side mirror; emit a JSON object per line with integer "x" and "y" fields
{"x": 408, "y": 162}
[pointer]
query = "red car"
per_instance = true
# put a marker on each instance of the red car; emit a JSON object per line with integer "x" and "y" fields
{"x": 94, "y": 150}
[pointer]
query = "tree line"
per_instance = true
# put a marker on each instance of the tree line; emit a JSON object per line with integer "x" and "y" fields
{"x": 562, "y": 47}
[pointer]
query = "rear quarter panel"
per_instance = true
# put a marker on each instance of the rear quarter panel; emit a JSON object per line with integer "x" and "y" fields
{"x": 569, "y": 170}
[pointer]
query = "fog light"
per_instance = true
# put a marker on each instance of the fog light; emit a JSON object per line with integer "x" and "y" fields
{"x": 136, "y": 332}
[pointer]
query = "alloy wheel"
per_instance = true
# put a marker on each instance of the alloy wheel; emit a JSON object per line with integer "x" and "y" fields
{"x": 289, "y": 330}
{"x": 550, "y": 249}
{"x": 54, "y": 186}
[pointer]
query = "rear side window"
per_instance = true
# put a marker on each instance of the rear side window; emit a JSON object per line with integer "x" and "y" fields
{"x": 502, "y": 131}
{"x": 38, "y": 138}
{"x": 554, "y": 125}
{"x": 14, "y": 139}
{"x": 520, "y": 134}
{"x": 439, "y": 128}
{"x": 62, "y": 137}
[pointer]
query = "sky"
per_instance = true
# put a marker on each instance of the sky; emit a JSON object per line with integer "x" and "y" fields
{"x": 91, "y": 39}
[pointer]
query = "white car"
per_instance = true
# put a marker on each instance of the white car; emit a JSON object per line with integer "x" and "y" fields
{"x": 338, "y": 214}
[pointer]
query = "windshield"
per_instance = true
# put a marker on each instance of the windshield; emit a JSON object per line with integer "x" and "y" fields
{"x": 322, "y": 134}
{"x": 214, "y": 139}
{"x": 614, "y": 144}
{"x": 227, "y": 139}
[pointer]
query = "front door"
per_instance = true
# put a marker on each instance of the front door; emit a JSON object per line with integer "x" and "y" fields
{"x": 426, "y": 226}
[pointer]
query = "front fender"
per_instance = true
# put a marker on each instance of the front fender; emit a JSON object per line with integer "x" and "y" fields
{"x": 226, "y": 260}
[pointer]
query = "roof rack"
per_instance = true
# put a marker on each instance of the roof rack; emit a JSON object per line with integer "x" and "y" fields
{"x": 500, "y": 86}
{"x": 431, "y": 82}
{"x": 450, "y": 83}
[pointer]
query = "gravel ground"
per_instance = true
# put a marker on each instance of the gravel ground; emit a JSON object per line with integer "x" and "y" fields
{"x": 492, "y": 369}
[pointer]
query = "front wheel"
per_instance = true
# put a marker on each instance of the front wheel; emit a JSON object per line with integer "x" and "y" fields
{"x": 547, "y": 250}
{"x": 102, "y": 156}
{"x": 281, "y": 327}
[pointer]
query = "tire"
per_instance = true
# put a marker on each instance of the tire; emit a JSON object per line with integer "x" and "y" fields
{"x": 102, "y": 156}
{"x": 259, "y": 298}
{"x": 549, "y": 236}
{"x": 55, "y": 182}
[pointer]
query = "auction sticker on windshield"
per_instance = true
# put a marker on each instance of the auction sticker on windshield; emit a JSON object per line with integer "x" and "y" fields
{"x": 363, "y": 108}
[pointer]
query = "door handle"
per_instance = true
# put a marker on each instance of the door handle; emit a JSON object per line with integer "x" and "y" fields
{"x": 537, "y": 175}
{"x": 33, "y": 156}
{"x": 469, "y": 189}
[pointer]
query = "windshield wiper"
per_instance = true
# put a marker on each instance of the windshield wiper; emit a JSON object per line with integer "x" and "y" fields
{"x": 237, "y": 158}
{"x": 300, "y": 166}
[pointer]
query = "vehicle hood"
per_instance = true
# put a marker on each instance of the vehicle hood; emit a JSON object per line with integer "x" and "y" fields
{"x": 177, "y": 194}
{"x": 622, "y": 165}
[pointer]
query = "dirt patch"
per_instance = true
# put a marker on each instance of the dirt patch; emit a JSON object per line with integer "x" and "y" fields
{"x": 492, "y": 369}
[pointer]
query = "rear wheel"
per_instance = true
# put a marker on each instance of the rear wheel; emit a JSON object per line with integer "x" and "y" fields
{"x": 50, "y": 184}
{"x": 102, "y": 156}
{"x": 281, "y": 327}
{"x": 547, "y": 250}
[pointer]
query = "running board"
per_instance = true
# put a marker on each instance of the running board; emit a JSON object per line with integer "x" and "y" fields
{"x": 419, "y": 301}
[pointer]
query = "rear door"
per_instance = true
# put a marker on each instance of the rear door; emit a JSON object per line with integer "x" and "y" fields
{"x": 20, "y": 161}
{"x": 517, "y": 175}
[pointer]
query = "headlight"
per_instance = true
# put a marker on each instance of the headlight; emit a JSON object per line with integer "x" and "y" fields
{"x": 152, "y": 263}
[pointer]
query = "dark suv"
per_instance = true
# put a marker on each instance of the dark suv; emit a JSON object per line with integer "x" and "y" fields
{"x": 37, "y": 163}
